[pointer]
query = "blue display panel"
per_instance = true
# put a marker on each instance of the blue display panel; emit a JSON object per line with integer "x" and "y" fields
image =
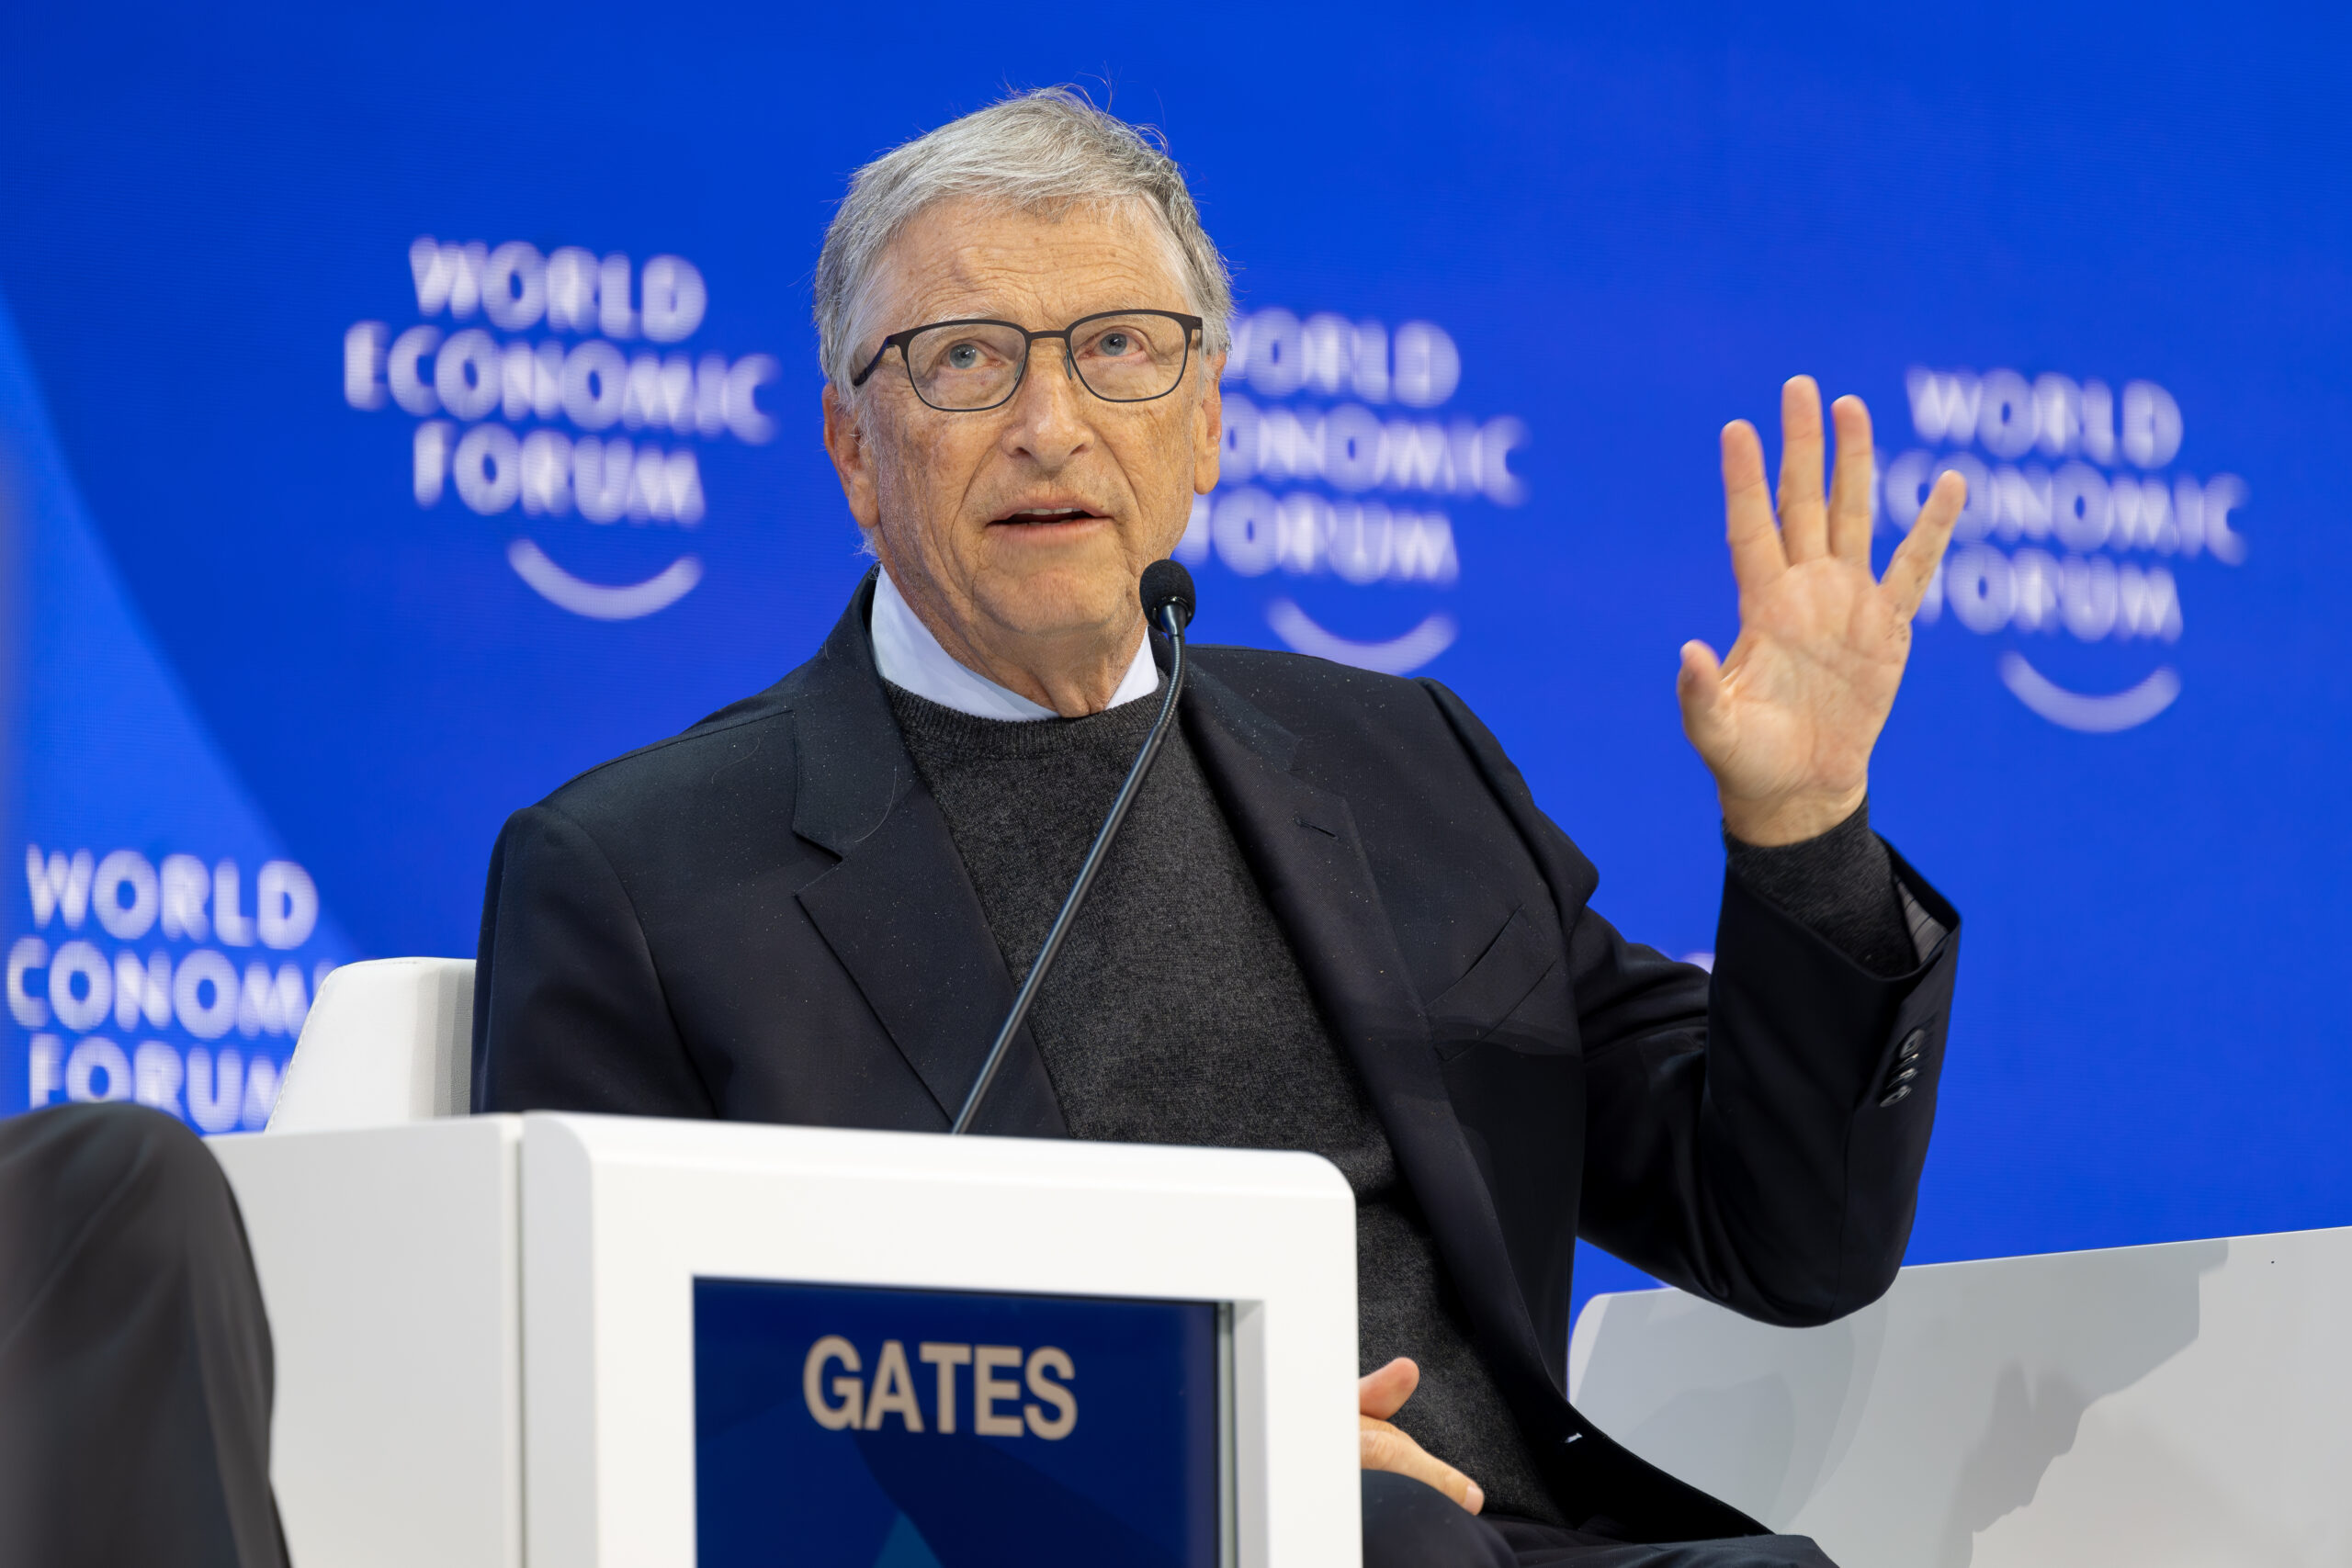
{"x": 845, "y": 1427}
{"x": 402, "y": 417}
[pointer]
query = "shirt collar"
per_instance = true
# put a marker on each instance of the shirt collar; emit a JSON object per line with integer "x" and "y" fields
{"x": 910, "y": 658}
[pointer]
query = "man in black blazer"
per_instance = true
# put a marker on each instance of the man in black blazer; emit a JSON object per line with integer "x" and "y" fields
{"x": 1338, "y": 920}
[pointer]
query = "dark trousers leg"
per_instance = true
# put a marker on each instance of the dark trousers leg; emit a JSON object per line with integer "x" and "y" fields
{"x": 1408, "y": 1525}
{"x": 135, "y": 1370}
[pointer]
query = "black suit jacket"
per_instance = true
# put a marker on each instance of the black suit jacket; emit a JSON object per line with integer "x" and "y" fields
{"x": 765, "y": 919}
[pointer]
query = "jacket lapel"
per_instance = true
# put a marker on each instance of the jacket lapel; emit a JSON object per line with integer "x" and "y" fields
{"x": 1302, "y": 842}
{"x": 898, "y": 910}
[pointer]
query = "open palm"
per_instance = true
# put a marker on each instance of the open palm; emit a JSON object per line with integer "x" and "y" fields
{"x": 1786, "y": 721}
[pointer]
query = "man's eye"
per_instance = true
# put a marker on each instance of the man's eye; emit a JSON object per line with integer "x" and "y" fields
{"x": 963, "y": 357}
{"x": 1115, "y": 343}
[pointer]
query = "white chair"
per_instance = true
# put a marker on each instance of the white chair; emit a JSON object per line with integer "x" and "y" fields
{"x": 387, "y": 1040}
{"x": 2180, "y": 1404}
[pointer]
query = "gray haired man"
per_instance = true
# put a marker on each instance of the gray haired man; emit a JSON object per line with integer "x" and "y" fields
{"x": 1337, "y": 920}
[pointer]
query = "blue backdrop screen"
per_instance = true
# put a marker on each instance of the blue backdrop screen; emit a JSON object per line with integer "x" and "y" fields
{"x": 401, "y": 414}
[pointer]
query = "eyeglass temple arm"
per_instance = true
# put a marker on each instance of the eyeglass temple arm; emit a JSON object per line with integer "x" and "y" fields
{"x": 860, "y": 378}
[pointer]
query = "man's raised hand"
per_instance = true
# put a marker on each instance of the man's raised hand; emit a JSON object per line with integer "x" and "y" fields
{"x": 1786, "y": 721}
{"x": 1383, "y": 1447}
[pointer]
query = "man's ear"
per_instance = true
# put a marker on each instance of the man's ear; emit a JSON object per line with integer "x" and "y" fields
{"x": 852, "y": 457}
{"x": 1208, "y": 427}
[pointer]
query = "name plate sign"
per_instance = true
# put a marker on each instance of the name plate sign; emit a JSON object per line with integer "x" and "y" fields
{"x": 840, "y": 1427}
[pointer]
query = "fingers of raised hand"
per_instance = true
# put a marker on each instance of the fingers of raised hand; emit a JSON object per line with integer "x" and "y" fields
{"x": 1914, "y": 566}
{"x": 1851, "y": 481}
{"x": 1382, "y": 1447}
{"x": 1805, "y": 531}
{"x": 1757, "y": 557}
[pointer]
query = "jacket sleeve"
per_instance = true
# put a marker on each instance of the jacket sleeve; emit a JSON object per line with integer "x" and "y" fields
{"x": 1756, "y": 1136}
{"x": 568, "y": 1011}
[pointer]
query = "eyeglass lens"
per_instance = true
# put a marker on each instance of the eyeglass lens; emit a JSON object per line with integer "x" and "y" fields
{"x": 1122, "y": 359}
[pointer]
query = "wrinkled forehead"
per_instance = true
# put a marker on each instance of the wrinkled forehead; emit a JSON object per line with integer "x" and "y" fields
{"x": 1040, "y": 268}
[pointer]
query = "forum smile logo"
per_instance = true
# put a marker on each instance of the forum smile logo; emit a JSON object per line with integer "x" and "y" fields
{"x": 1338, "y": 472}
{"x": 2079, "y": 536}
{"x": 576, "y": 399}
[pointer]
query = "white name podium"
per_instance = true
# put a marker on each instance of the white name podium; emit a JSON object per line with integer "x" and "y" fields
{"x": 486, "y": 1334}
{"x": 487, "y": 1328}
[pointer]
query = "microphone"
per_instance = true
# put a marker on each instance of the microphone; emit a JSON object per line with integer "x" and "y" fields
{"x": 1166, "y": 592}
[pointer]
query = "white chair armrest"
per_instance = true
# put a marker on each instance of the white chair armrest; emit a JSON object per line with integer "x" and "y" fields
{"x": 387, "y": 1040}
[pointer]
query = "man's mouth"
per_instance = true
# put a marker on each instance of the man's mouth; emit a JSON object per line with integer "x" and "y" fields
{"x": 1033, "y": 516}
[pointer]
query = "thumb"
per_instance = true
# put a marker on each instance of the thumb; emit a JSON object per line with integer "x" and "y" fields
{"x": 1699, "y": 685}
{"x": 1384, "y": 1392}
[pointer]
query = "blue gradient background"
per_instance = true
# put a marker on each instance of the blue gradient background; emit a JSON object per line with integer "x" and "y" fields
{"x": 1634, "y": 225}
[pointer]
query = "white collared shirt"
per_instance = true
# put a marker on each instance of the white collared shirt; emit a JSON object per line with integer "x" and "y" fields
{"x": 910, "y": 658}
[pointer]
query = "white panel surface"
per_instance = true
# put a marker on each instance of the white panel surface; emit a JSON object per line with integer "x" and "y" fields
{"x": 389, "y": 1262}
{"x": 620, "y": 1214}
{"x": 2181, "y": 1404}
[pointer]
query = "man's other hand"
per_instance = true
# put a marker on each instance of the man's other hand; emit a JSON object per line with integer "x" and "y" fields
{"x": 1787, "y": 720}
{"x": 1383, "y": 1447}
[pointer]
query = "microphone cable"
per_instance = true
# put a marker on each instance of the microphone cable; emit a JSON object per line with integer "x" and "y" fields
{"x": 1168, "y": 601}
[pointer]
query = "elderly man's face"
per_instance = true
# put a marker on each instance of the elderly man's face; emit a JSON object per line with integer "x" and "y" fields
{"x": 1027, "y": 524}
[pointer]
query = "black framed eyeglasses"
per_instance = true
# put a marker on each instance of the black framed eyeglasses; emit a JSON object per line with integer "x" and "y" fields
{"x": 968, "y": 366}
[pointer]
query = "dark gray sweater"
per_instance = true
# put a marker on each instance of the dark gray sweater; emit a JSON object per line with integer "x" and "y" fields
{"x": 1205, "y": 1034}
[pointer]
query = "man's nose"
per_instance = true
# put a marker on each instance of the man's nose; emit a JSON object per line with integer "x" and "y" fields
{"x": 1048, "y": 421}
